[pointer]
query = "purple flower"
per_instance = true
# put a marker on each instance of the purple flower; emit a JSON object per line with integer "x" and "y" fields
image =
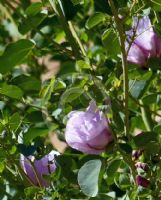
{"x": 142, "y": 181}
{"x": 88, "y": 131}
{"x": 145, "y": 42}
{"x": 35, "y": 169}
{"x": 143, "y": 166}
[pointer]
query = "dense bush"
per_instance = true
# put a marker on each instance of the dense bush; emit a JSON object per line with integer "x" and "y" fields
{"x": 86, "y": 72}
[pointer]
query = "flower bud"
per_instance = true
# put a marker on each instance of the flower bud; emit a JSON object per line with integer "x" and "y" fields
{"x": 136, "y": 154}
{"x": 142, "y": 181}
{"x": 143, "y": 166}
{"x": 35, "y": 169}
{"x": 88, "y": 131}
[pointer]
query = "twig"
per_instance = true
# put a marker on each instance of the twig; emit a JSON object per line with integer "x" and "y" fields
{"x": 122, "y": 38}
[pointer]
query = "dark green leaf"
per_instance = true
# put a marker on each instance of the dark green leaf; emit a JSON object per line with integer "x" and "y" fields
{"x": 27, "y": 83}
{"x": 150, "y": 99}
{"x": 33, "y": 9}
{"x": 111, "y": 43}
{"x": 32, "y": 133}
{"x": 156, "y": 5}
{"x": 76, "y": 2}
{"x": 32, "y": 22}
{"x": 11, "y": 91}
{"x": 15, "y": 121}
{"x": 126, "y": 148}
{"x": 113, "y": 167}
{"x": 95, "y": 19}
{"x": 15, "y": 54}
{"x": 143, "y": 139}
{"x": 124, "y": 181}
{"x": 71, "y": 94}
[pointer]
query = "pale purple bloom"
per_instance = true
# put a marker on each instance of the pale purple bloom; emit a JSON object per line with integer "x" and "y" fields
{"x": 146, "y": 44}
{"x": 88, "y": 131}
{"x": 141, "y": 165}
{"x": 142, "y": 181}
{"x": 35, "y": 169}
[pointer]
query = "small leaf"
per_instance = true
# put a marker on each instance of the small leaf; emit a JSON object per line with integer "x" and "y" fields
{"x": 157, "y": 128}
{"x": 71, "y": 94}
{"x": 150, "y": 99}
{"x": 126, "y": 148}
{"x": 88, "y": 177}
{"x": 15, "y": 54}
{"x": 11, "y": 91}
{"x": 143, "y": 139}
{"x": 111, "y": 43}
{"x": 113, "y": 167}
{"x": 26, "y": 150}
{"x": 137, "y": 87}
{"x": 31, "y": 22}
{"x": 33, "y": 9}
{"x": 27, "y": 83}
{"x": 156, "y": 5}
{"x": 15, "y": 121}
{"x": 76, "y": 2}
{"x": 2, "y": 167}
{"x": 95, "y": 19}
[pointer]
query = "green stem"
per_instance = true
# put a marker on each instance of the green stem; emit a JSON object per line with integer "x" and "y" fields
{"x": 122, "y": 38}
{"x": 77, "y": 38}
{"x": 58, "y": 10}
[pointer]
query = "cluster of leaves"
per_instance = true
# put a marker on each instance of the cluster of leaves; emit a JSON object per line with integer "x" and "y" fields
{"x": 80, "y": 36}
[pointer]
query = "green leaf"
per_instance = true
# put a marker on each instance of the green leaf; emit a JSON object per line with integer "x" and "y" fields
{"x": 137, "y": 122}
{"x": 71, "y": 94}
{"x": 82, "y": 65}
{"x": 27, "y": 83}
{"x": 11, "y": 91}
{"x": 150, "y": 99}
{"x": 143, "y": 139}
{"x": 95, "y": 19}
{"x": 111, "y": 43}
{"x": 124, "y": 181}
{"x": 15, "y": 121}
{"x": 76, "y": 2}
{"x": 157, "y": 128}
{"x": 35, "y": 116}
{"x": 102, "y": 6}
{"x": 33, "y": 9}
{"x": 136, "y": 88}
{"x": 69, "y": 9}
{"x": 126, "y": 148}
{"x": 15, "y": 54}
{"x": 154, "y": 64}
{"x": 2, "y": 167}
{"x": 88, "y": 177}
{"x": 112, "y": 168}
{"x": 66, "y": 164}
{"x": 31, "y": 192}
{"x": 32, "y": 22}
{"x": 32, "y": 133}
{"x": 156, "y": 5}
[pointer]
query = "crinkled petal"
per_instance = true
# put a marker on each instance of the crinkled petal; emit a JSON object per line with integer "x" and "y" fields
{"x": 136, "y": 56}
{"x": 100, "y": 141}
